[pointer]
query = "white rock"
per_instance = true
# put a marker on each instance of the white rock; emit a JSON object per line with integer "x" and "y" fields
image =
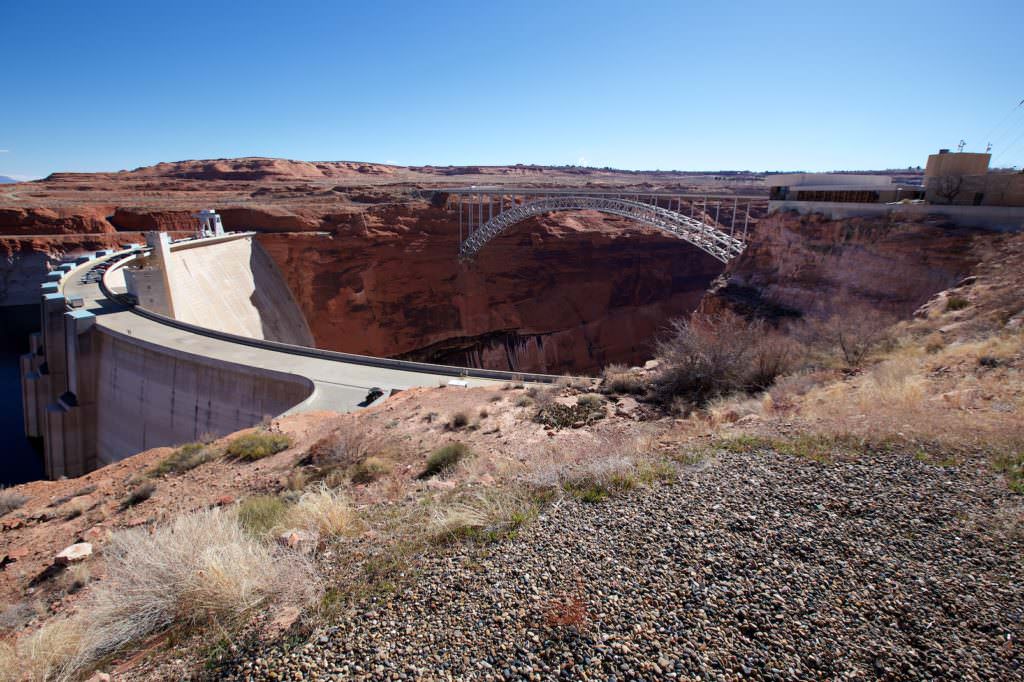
{"x": 74, "y": 553}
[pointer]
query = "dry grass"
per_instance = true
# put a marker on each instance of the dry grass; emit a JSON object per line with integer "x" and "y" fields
{"x": 48, "y": 653}
{"x": 485, "y": 516}
{"x": 620, "y": 379}
{"x": 202, "y": 568}
{"x": 11, "y": 500}
{"x": 324, "y": 512}
{"x": 185, "y": 458}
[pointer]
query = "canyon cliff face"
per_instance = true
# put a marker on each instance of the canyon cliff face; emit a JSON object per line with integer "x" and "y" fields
{"x": 810, "y": 265}
{"x": 563, "y": 293}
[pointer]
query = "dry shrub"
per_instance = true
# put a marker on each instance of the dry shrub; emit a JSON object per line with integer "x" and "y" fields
{"x": 138, "y": 495}
{"x": 542, "y": 395}
{"x": 185, "y": 458}
{"x": 202, "y": 567}
{"x": 257, "y": 445}
{"x": 708, "y": 356}
{"x": 11, "y": 500}
{"x": 853, "y": 335}
{"x": 621, "y": 379}
{"x": 444, "y": 458}
{"x": 369, "y": 470}
{"x": 323, "y": 511}
{"x": 337, "y": 456}
{"x": 458, "y": 420}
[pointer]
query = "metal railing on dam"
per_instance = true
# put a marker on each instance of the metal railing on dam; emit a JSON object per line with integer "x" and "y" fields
{"x": 106, "y": 379}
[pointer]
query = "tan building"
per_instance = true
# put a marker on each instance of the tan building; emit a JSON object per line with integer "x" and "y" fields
{"x": 839, "y": 187}
{"x": 964, "y": 179}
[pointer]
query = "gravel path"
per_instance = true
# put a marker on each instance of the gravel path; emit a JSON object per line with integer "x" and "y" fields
{"x": 752, "y": 566}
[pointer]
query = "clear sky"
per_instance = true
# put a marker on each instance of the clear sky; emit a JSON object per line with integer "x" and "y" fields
{"x": 701, "y": 85}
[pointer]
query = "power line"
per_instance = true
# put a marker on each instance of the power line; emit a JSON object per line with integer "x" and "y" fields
{"x": 1005, "y": 131}
{"x": 1014, "y": 109}
{"x": 1009, "y": 147}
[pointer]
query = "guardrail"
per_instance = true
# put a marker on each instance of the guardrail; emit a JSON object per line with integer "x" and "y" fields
{"x": 335, "y": 356}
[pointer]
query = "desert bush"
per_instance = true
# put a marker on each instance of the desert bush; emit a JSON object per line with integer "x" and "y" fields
{"x": 542, "y": 395}
{"x": 369, "y": 470}
{"x": 11, "y": 500}
{"x": 257, "y": 445}
{"x": 200, "y": 568}
{"x": 590, "y": 400}
{"x": 138, "y": 495}
{"x": 954, "y": 303}
{"x": 261, "y": 513}
{"x": 854, "y": 335}
{"x": 620, "y": 379}
{"x": 322, "y": 511}
{"x": 444, "y": 458}
{"x": 708, "y": 356}
{"x": 185, "y": 458}
{"x": 458, "y": 420}
{"x": 524, "y": 401}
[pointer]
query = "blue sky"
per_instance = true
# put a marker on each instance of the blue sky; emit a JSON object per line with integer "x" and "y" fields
{"x": 642, "y": 85}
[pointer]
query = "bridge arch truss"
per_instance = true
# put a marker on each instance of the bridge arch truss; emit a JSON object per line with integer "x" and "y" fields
{"x": 717, "y": 225}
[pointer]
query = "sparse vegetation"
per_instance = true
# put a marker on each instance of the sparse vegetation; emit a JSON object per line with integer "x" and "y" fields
{"x": 261, "y": 513}
{"x": 185, "y": 458}
{"x": 487, "y": 516}
{"x": 322, "y": 511}
{"x": 621, "y": 379}
{"x": 139, "y": 495}
{"x": 855, "y": 334}
{"x": 709, "y": 356}
{"x": 444, "y": 458}
{"x": 591, "y": 401}
{"x": 458, "y": 421}
{"x": 1011, "y": 465}
{"x": 257, "y": 445}
{"x": 954, "y": 303}
{"x": 369, "y": 470}
{"x": 11, "y": 500}
{"x": 200, "y": 568}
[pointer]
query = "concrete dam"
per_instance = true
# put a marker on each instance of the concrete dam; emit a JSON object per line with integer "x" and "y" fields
{"x": 163, "y": 344}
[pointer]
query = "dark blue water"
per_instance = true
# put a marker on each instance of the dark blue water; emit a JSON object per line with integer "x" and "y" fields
{"x": 20, "y": 461}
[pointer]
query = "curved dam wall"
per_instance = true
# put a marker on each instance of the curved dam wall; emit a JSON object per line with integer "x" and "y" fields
{"x": 154, "y": 396}
{"x": 229, "y": 284}
{"x": 105, "y": 380}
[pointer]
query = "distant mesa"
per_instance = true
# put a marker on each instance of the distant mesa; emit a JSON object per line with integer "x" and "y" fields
{"x": 5, "y": 180}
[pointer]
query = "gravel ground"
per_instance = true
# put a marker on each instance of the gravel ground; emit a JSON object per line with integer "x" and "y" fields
{"x": 751, "y": 566}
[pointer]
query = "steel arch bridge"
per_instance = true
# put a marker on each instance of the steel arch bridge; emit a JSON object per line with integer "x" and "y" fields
{"x": 694, "y": 219}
